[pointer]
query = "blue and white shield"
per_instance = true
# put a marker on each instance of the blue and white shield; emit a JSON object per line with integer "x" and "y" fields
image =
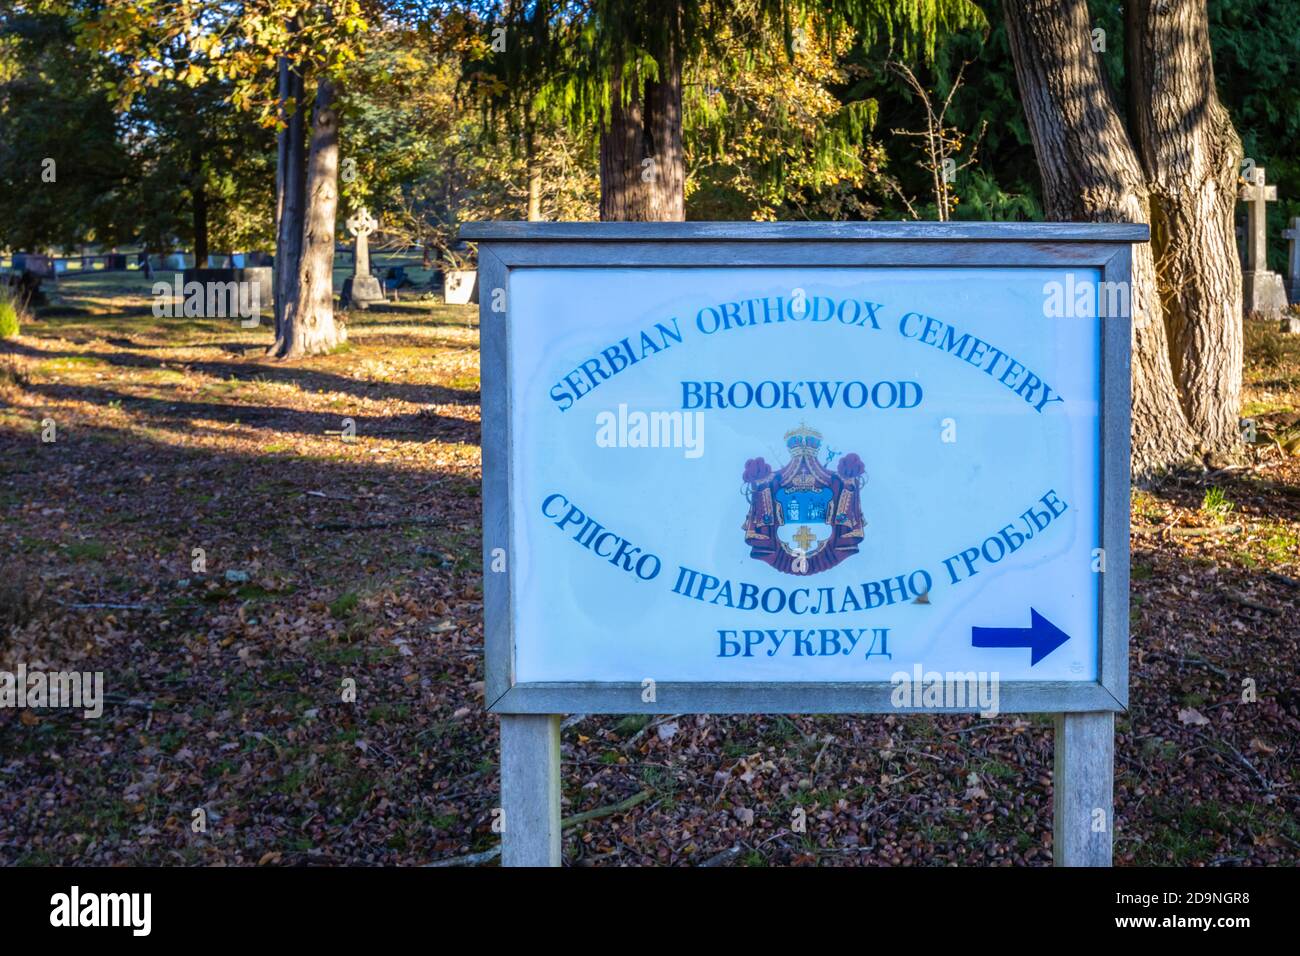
{"x": 804, "y": 528}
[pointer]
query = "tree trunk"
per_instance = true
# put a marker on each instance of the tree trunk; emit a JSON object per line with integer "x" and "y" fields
{"x": 291, "y": 172}
{"x": 534, "y": 192}
{"x": 534, "y": 183}
{"x": 642, "y": 165}
{"x": 533, "y": 168}
{"x": 309, "y": 326}
{"x": 1191, "y": 156}
{"x": 199, "y": 206}
{"x": 1091, "y": 172}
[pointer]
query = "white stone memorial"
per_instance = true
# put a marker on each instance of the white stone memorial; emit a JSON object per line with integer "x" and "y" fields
{"x": 1262, "y": 291}
{"x": 1291, "y": 321}
{"x": 361, "y": 289}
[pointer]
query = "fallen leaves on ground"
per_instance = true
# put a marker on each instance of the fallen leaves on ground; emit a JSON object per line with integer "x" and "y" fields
{"x": 324, "y": 563}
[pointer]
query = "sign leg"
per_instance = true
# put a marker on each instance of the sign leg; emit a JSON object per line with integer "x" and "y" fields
{"x": 530, "y": 789}
{"x": 1083, "y": 802}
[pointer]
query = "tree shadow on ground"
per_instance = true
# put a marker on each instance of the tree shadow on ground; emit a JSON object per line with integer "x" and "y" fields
{"x": 307, "y": 379}
{"x": 422, "y": 426}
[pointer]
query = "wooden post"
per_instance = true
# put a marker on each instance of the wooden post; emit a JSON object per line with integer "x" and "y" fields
{"x": 530, "y": 789}
{"x": 1083, "y": 801}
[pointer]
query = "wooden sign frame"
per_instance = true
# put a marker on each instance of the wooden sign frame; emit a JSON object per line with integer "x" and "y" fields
{"x": 530, "y": 722}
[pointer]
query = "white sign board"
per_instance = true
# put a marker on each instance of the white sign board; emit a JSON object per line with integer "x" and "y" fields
{"x": 721, "y": 475}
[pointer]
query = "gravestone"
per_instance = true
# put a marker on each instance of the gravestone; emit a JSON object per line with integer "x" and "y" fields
{"x": 1292, "y": 235}
{"x": 249, "y": 260}
{"x": 40, "y": 266}
{"x": 460, "y": 286}
{"x": 1263, "y": 291}
{"x": 805, "y": 468}
{"x": 361, "y": 289}
{"x": 1291, "y": 322}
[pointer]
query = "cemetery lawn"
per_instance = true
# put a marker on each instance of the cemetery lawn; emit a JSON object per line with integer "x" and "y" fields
{"x": 325, "y": 561}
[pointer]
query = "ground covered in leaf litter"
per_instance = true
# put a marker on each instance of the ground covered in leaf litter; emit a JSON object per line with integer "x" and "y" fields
{"x": 326, "y": 560}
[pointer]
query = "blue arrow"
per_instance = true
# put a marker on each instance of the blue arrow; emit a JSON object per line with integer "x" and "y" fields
{"x": 1041, "y": 635}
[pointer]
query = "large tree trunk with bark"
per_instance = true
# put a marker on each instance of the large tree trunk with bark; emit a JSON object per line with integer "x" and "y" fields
{"x": 309, "y": 326}
{"x": 1092, "y": 172}
{"x": 642, "y": 164}
{"x": 1191, "y": 156}
{"x": 290, "y": 177}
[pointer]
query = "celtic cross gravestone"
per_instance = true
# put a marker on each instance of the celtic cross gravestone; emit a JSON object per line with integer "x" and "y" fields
{"x": 361, "y": 289}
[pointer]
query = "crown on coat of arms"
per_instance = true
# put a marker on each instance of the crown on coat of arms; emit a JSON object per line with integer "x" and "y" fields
{"x": 803, "y": 440}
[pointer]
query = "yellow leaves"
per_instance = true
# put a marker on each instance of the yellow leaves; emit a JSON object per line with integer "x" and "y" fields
{"x": 192, "y": 75}
{"x": 207, "y": 44}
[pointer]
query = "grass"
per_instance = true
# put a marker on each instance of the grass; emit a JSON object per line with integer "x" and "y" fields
{"x": 343, "y": 605}
{"x": 86, "y": 551}
{"x": 1265, "y": 345}
{"x": 1216, "y": 505}
{"x": 632, "y": 724}
{"x": 9, "y": 322}
{"x": 1282, "y": 544}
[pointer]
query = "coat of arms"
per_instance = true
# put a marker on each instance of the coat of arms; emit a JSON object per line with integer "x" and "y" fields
{"x": 804, "y": 518}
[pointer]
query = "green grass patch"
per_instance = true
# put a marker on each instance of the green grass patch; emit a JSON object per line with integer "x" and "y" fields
{"x": 631, "y": 724}
{"x": 1282, "y": 544}
{"x": 166, "y": 376}
{"x": 1216, "y": 505}
{"x": 86, "y": 550}
{"x": 343, "y": 605}
{"x": 69, "y": 363}
{"x": 1255, "y": 409}
{"x": 9, "y": 324}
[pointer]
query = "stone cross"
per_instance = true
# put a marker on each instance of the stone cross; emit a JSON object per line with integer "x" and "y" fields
{"x": 361, "y": 288}
{"x": 361, "y": 224}
{"x": 1262, "y": 291}
{"x": 1255, "y": 195}
{"x": 1292, "y": 236}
